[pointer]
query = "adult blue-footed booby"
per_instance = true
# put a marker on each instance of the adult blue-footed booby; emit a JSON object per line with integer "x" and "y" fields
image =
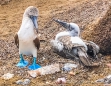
{"x": 69, "y": 43}
{"x": 26, "y": 38}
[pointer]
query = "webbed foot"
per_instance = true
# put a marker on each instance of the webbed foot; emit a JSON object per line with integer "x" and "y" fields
{"x": 34, "y": 66}
{"x": 22, "y": 64}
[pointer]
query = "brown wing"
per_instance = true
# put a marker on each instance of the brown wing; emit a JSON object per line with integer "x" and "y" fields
{"x": 82, "y": 53}
{"x": 67, "y": 43}
{"x": 37, "y": 43}
{"x": 16, "y": 40}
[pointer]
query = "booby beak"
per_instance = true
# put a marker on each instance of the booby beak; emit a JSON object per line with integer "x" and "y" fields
{"x": 64, "y": 24}
{"x": 34, "y": 20}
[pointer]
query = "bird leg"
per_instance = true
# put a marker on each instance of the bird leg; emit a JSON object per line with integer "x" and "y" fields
{"x": 22, "y": 63}
{"x": 34, "y": 65}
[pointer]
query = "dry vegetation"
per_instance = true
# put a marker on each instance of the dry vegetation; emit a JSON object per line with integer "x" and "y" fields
{"x": 82, "y": 12}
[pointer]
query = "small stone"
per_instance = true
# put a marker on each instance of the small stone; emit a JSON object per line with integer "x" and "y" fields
{"x": 19, "y": 82}
{"x": 99, "y": 80}
{"x": 71, "y": 73}
{"x": 39, "y": 35}
{"x": 61, "y": 81}
{"x": 26, "y": 81}
{"x": 69, "y": 66}
{"x": 47, "y": 82}
{"x": 106, "y": 84}
{"x": 8, "y": 76}
{"x": 43, "y": 58}
{"x": 109, "y": 76}
{"x": 106, "y": 80}
{"x": 49, "y": 69}
{"x": 32, "y": 73}
{"x": 109, "y": 65}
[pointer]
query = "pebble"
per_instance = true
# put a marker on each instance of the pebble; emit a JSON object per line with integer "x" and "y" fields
{"x": 99, "y": 80}
{"x": 23, "y": 82}
{"x": 47, "y": 82}
{"x": 34, "y": 74}
{"x": 71, "y": 73}
{"x": 19, "y": 82}
{"x": 105, "y": 80}
{"x": 69, "y": 66}
{"x": 26, "y": 81}
{"x": 107, "y": 85}
{"x": 8, "y": 76}
{"x": 61, "y": 81}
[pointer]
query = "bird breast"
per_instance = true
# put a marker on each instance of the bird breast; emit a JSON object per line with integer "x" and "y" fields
{"x": 26, "y": 47}
{"x": 27, "y": 31}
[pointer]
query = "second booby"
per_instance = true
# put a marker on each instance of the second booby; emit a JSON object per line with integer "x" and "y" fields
{"x": 70, "y": 43}
{"x": 26, "y": 38}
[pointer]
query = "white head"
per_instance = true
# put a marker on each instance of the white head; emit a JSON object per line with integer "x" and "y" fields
{"x": 73, "y": 28}
{"x": 32, "y": 13}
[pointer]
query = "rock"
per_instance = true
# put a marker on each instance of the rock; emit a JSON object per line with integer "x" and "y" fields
{"x": 47, "y": 82}
{"x": 50, "y": 69}
{"x": 23, "y": 82}
{"x": 19, "y": 82}
{"x": 100, "y": 80}
{"x": 8, "y": 76}
{"x": 33, "y": 73}
{"x": 69, "y": 66}
{"x": 94, "y": 32}
{"x": 71, "y": 73}
{"x": 61, "y": 81}
{"x": 107, "y": 85}
{"x": 109, "y": 65}
{"x": 106, "y": 80}
{"x": 26, "y": 81}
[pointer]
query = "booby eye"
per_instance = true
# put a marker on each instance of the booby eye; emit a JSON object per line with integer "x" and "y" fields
{"x": 31, "y": 16}
{"x": 71, "y": 28}
{"x": 76, "y": 32}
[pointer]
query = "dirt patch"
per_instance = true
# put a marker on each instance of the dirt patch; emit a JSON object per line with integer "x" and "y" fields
{"x": 4, "y": 2}
{"x": 81, "y": 12}
{"x": 100, "y": 32}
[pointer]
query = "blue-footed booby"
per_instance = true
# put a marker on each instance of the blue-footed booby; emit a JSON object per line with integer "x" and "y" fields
{"x": 70, "y": 43}
{"x": 26, "y": 38}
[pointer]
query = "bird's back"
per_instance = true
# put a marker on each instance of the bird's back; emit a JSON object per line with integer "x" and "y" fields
{"x": 70, "y": 42}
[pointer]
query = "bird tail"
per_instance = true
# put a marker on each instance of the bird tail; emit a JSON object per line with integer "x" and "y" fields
{"x": 84, "y": 57}
{"x": 93, "y": 49}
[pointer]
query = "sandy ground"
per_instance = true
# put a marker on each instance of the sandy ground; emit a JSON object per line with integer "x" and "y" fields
{"x": 82, "y": 12}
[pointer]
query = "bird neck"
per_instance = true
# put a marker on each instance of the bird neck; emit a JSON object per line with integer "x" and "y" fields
{"x": 25, "y": 14}
{"x": 27, "y": 27}
{"x": 65, "y": 33}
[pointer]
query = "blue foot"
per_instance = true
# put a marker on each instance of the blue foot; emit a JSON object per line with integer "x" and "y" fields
{"x": 34, "y": 66}
{"x": 22, "y": 64}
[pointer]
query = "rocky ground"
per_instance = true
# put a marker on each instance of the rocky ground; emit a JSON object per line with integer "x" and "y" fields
{"x": 82, "y": 12}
